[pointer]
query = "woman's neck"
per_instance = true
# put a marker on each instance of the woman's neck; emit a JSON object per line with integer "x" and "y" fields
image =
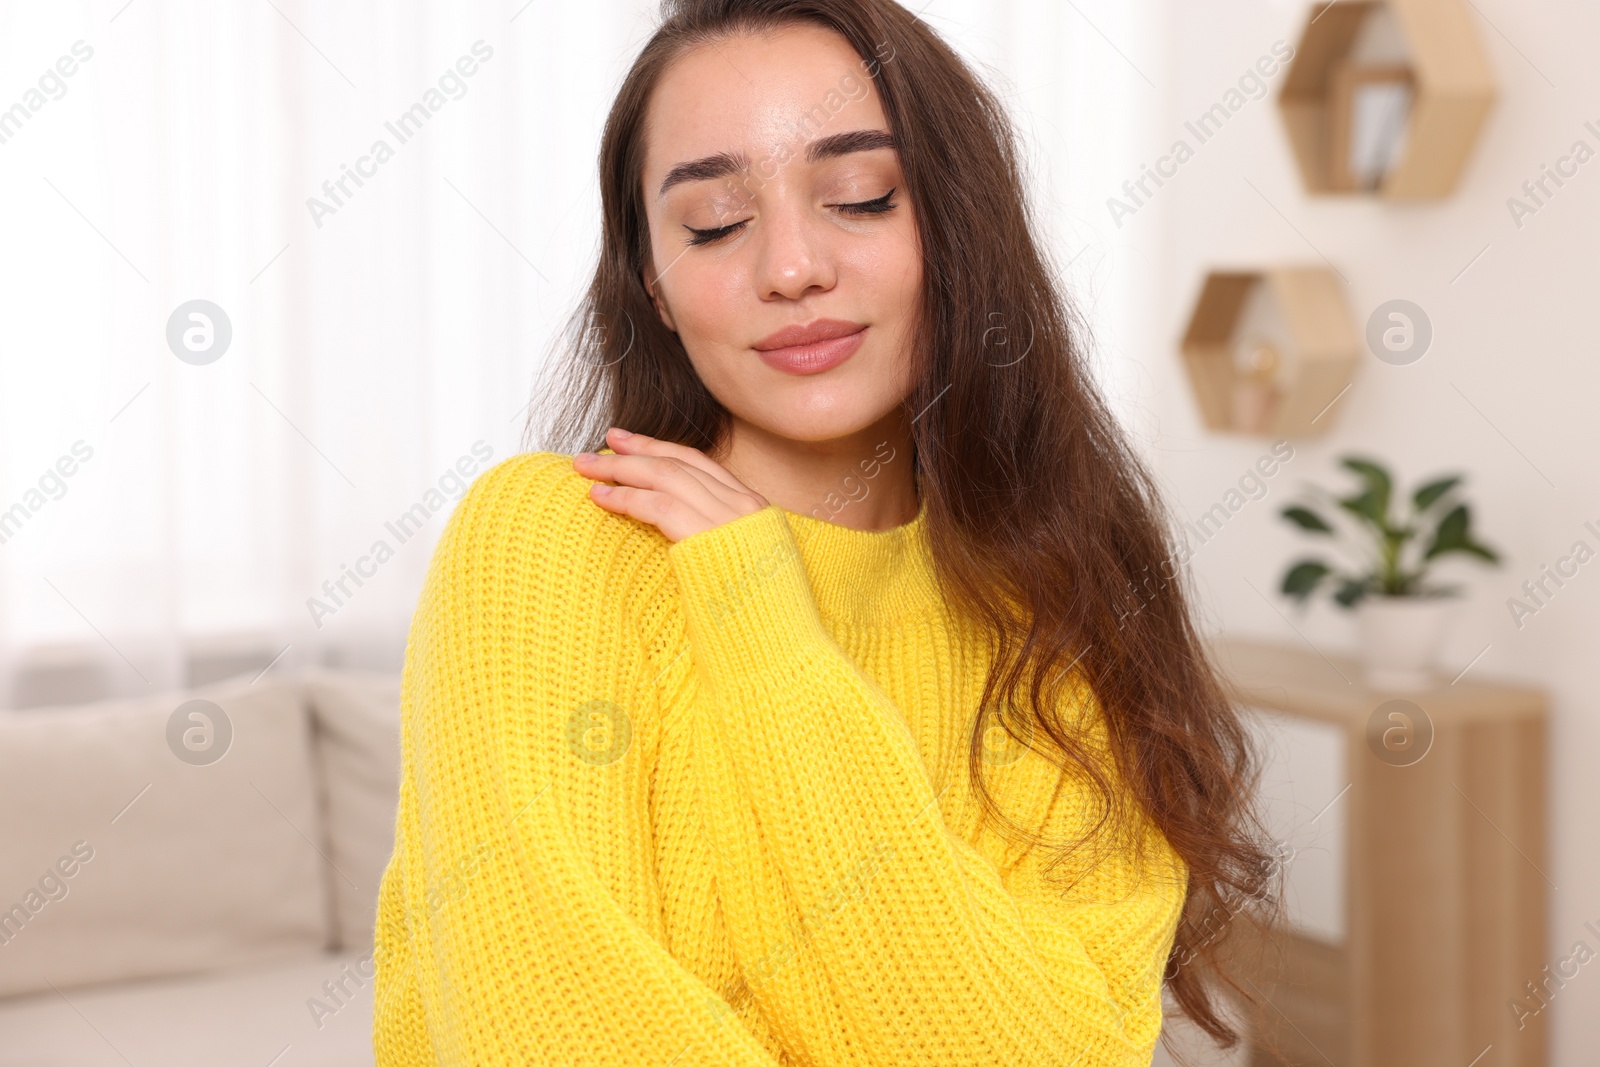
{"x": 864, "y": 481}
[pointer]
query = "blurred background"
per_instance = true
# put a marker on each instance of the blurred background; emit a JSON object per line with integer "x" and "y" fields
{"x": 249, "y": 360}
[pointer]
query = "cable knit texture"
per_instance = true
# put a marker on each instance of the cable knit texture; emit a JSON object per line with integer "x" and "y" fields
{"x": 707, "y": 802}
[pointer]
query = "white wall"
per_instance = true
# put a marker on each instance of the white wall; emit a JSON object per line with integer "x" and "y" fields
{"x": 1505, "y": 395}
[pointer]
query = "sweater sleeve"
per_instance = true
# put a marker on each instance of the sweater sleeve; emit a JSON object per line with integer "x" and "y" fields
{"x": 496, "y": 940}
{"x": 917, "y": 946}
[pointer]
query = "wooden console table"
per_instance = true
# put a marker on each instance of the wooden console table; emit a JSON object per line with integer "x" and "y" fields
{"x": 1445, "y": 873}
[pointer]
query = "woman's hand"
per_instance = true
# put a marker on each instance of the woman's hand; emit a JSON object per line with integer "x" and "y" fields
{"x": 675, "y": 488}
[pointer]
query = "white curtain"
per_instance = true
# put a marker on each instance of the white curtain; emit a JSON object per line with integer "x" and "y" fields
{"x": 168, "y": 514}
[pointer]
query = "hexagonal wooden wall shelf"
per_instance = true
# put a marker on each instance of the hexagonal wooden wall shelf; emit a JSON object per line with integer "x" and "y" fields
{"x": 1386, "y": 97}
{"x": 1268, "y": 351}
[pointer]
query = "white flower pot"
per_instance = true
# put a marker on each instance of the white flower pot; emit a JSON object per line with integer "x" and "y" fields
{"x": 1400, "y": 640}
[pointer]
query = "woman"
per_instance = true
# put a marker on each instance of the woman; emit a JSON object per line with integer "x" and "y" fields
{"x": 703, "y": 757}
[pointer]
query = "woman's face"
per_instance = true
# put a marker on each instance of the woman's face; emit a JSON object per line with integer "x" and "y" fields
{"x": 745, "y": 135}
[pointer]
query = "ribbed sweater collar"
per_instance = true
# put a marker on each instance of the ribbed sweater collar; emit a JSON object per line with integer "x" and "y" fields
{"x": 866, "y": 578}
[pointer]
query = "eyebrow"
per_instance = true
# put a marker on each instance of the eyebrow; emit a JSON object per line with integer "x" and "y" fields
{"x": 724, "y": 164}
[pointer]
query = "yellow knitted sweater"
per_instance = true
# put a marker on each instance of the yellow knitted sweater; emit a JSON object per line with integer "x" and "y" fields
{"x": 706, "y": 803}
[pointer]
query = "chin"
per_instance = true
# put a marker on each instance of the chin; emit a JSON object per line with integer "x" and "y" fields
{"x": 808, "y": 427}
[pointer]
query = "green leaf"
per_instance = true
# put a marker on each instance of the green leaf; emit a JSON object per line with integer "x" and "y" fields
{"x": 1452, "y": 532}
{"x": 1307, "y": 519}
{"x": 1455, "y": 535}
{"x": 1373, "y": 502}
{"x": 1303, "y": 578}
{"x": 1364, "y": 507}
{"x": 1431, "y": 493}
{"x": 1350, "y": 591}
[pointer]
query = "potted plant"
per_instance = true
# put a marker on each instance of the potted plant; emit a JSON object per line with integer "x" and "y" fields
{"x": 1401, "y": 614}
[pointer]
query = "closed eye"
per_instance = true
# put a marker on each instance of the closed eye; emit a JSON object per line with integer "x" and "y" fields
{"x": 881, "y": 205}
{"x": 705, "y": 237}
{"x": 870, "y": 207}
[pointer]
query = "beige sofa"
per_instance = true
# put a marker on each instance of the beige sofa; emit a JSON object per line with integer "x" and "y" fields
{"x": 185, "y": 885}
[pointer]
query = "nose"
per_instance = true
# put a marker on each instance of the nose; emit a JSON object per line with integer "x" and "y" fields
{"x": 793, "y": 256}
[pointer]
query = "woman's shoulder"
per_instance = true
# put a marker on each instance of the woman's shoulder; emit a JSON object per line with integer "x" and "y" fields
{"x": 523, "y": 489}
{"x": 529, "y": 520}
{"x": 537, "y": 504}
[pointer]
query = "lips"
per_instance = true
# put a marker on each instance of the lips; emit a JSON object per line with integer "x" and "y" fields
{"x": 811, "y": 348}
{"x": 809, "y": 334}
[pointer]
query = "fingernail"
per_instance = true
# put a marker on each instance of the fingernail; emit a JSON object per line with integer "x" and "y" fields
{"x": 585, "y": 455}
{"x": 601, "y": 490}
{"x": 621, "y": 432}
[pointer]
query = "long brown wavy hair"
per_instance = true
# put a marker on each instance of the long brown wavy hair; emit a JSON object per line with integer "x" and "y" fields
{"x": 1042, "y": 521}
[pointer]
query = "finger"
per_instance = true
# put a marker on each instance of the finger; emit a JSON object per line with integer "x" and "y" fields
{"x": 666, "y": 475}
{"x": 674, "y": 518}
{"x": 643, "y": 444}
